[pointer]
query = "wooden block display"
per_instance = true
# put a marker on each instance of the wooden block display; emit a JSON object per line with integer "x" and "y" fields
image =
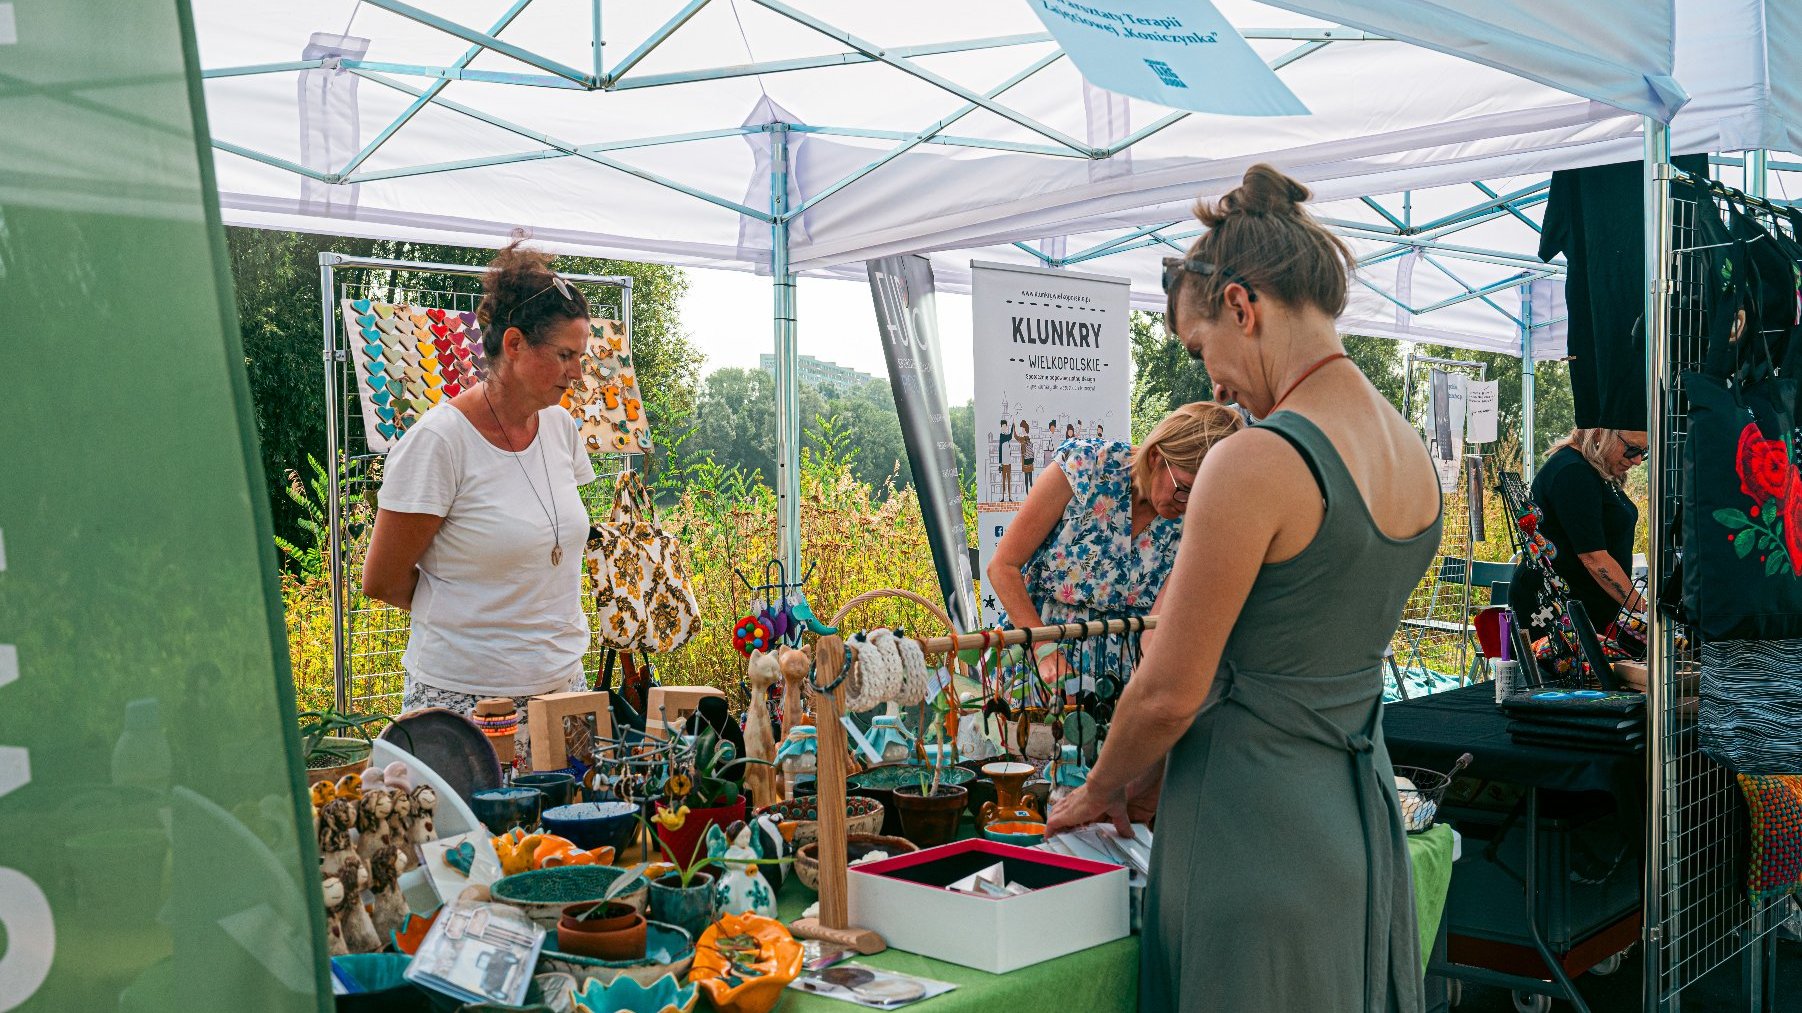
{"x": 545, "y": 716}
{"x": 678, "y": 702}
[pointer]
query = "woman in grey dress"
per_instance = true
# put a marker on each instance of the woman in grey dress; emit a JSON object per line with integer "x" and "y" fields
{"x": 1279, "y": 879}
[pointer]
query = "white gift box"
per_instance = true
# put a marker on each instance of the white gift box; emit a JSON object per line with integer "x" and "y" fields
{"x": 1073, "y": 904}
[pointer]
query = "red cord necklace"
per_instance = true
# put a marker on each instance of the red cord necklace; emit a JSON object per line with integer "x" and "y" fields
{"x": 1304, "y": 379}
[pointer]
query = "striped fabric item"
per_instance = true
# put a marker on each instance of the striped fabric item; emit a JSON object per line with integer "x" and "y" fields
{"x": 1751, "y": 705}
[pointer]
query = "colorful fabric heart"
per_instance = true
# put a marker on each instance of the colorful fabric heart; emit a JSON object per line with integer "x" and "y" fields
{"x": 469, "y": 319}
{"x": 380, "y": 396}
{"x": 366, "y": 320}
{"x": 382, "y": 309}
{"x": 386, "y": 412}
{"x": 385, "y": 429}
{"x": 436, "y": 315}
{"x": 360, "y": 305}
{"x": 373, "y": 351}
{"x": 452, "y": 388}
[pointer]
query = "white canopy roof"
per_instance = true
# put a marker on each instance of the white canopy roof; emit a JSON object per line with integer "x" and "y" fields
{"x": 985, "y": 135}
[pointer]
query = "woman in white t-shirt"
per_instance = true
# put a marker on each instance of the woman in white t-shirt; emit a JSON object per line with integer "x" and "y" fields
{"x": 481, "y": 526}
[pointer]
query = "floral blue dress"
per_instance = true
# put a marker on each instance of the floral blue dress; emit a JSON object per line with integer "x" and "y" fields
{"x": 1091, "y": 565}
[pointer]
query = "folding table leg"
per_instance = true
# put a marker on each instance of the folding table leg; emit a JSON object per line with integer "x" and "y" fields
{"x": 1560, "y": 982}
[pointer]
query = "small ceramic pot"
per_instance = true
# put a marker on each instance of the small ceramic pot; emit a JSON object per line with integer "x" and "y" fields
{"x": 683, "y": 845}
{"x": 1025, "y": 833}
{"x": 687, "y": 907}
{"x": 1009, "y": 804}
{"x": 879, "y": 782}
{"x": 502, "y": 809}
{"x": 930, "y": 820}
{"x": 806, "y": 785}
{"x": 557, "y": 787}
{"x": 590, "y": 825}
{"x": 616, "y": 933}
{"x": 862, "y": 816}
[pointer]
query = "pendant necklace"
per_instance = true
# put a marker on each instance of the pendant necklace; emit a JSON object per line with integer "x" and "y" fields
{"x": 1304, "y": 378}
{"x": 549, "y": 515}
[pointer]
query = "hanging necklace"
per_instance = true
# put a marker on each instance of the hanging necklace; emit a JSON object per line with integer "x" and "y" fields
{"x": 549, "y": 515}
{"x": 1304, "y": 378}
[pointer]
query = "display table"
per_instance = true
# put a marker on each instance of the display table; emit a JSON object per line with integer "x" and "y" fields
{"x": 1432, "y": 732}
{"x": 1099, "y": 979}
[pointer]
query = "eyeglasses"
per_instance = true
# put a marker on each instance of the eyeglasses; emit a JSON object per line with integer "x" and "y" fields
{"x": 558, "y": 283}
{"x": 1179, "y": 490}
{"x": 1634, "y": 450}
{"x": 1173, "y": 274}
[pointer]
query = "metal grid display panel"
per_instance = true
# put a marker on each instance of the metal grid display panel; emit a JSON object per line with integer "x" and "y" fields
{"x": 1704, "y": 914}
{"x": 1435, "y": 632}
{"x": 376, "y": 633}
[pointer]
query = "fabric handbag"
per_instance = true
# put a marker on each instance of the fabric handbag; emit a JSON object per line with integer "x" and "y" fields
{"x": 643, "y": 599}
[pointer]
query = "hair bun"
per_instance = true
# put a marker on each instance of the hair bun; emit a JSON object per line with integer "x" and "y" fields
{"x": 1263, "y": 191}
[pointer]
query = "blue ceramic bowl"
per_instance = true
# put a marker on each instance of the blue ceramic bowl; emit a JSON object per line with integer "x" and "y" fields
{"x": 558, "y": 788}
{"x": 1024, "y": 833}
{"x": 591, "y": 825}
{"x": 502, "y": 809}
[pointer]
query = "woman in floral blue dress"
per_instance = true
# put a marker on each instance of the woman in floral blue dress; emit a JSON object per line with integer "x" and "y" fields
{"x": 1097, "y": 534}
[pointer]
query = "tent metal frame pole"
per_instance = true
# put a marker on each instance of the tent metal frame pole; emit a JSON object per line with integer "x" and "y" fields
{"x": 1529, "y": 380}
{"x": 333, "y": 506}
{"x": 788, "y": 394}
{"x": 1662, "y": 803}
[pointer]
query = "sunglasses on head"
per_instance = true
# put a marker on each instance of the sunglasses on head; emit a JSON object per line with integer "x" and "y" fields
{"x": 559, "y": 284}
{"x": 1173, "y": 276}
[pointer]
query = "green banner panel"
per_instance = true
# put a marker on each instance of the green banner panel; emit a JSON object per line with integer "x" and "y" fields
{"x": 155, "y": 851}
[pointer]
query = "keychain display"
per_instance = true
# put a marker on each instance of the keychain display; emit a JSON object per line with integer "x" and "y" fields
{"x": 607, "y": 405}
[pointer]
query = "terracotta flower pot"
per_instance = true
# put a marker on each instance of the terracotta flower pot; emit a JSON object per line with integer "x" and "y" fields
{"x": 617, "y": 933}
{"x": 683, "y": 845}
{"x": 930, "y": 820}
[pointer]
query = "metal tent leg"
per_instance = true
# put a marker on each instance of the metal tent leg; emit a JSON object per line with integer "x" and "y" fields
{"x": 788, "y": 394}
{"x": 333, "y": 449}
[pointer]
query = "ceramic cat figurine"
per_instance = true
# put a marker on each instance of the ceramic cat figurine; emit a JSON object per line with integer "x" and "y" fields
{"x": 359, "y": 930}
{"x": 333, "y": 889}
{"x": 389, "y": 912}
{"x": 741, "y": 888}
{"x": 372, "y": 821}
{"x": 421, "y": 825}
{"x": 794, "y": 664}
{"x": 336, "y": 820}
{"x": 760, "y": 743}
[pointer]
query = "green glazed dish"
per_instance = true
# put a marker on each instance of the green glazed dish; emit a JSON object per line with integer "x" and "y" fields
{"x": 889, "y": 776}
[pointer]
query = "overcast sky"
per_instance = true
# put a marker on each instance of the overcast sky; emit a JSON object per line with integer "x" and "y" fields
{"x": 728, "y": 313}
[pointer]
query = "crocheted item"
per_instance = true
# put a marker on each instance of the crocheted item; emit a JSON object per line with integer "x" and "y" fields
{"x": 1774, "y": 804}
{"x": 884, "y": 672}
{"x": 913, "y": 671}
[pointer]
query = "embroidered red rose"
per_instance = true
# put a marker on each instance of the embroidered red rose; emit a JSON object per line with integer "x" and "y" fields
{"x": 1763, "y": 465}
{"x": 1792, "y": 523}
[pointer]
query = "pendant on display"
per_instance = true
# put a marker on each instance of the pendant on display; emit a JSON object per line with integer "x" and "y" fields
{"x": 556, "y": 555}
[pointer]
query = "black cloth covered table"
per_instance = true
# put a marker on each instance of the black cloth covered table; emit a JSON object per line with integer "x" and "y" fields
{"x": 1433, "y": 731}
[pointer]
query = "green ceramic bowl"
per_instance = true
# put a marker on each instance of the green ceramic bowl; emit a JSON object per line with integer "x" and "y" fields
{"x": 889, "y": 776}
{"x": 543, "y": 893}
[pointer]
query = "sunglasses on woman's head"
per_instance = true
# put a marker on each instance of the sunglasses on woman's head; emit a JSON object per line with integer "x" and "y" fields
{"x": 559, "y": 284}
{"x": 1173, "y": 275}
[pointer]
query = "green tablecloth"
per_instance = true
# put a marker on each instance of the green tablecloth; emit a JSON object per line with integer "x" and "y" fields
{"x": 1099, "y": 979}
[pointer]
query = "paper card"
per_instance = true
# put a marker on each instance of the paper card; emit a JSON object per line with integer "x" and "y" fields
{"x": 1482, "y": 400}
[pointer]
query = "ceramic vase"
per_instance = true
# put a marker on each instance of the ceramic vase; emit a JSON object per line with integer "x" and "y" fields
{"x": 687, "y": 907}
{"x": 618, "y": 933}
{"x": 930, "y": 820}
{"x": 1009, "y": 779}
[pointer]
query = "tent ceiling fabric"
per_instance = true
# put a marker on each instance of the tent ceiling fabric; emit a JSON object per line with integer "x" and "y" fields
{"x": 984, "y": 133}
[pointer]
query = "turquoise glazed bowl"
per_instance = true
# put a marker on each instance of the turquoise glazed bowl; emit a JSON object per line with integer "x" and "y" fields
{"x": 591, "y": 825}
{"x": 543, "y": 893}
{"x": 1024, "y": 833}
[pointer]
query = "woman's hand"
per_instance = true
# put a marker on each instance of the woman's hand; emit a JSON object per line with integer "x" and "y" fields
{"x": 1054, "y": 669}
{"x": 1086, "y": 805}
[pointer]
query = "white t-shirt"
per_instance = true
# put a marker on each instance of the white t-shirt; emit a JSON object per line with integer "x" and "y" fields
{"x": 491, "y": 615}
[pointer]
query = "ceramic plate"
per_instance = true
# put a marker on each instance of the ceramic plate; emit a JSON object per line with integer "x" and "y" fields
{"x": 449, "y": 744}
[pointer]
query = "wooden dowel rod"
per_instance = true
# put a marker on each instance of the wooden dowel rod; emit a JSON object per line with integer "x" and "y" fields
{"x": 1037, "y": 634}
{"x": 829, "y": 783}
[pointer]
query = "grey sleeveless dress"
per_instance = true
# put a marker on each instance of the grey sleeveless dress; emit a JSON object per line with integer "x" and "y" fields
{"x": 1279, "y": 878}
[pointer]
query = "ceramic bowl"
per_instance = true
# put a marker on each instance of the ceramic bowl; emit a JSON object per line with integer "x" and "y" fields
{"x": 557, "y": 787}
{"x": 591, "y": 825}
{"x": 862, "y": 816}
{"x": 807, "y": 859}
{"x": 1025, "y": 833}
{"x": 627, "y": 995}
{"x": 543, "y": 893}
{"x": 502, "y": 809}
{"x": 669, "y": 949}
{"x": 777, "y": 961}
{"x": 805, "y": 785}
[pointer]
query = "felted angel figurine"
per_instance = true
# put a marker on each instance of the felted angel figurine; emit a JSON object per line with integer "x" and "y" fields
{"x": 760, "y": 744}
{"x": 741, "y": 888}
{"x": 397, "y": 777}
{"x": 359, "y": 931}
{"x": 373, "y": 822}
{"x": 420, "y": 824}
{"x": 400, "y": 822}
{"x": 334, "y": 892}
{"x": 336, "y": 820}
{"x": 389, "y": 912}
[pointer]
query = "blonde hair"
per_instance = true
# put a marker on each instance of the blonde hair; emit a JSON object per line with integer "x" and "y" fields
{"x": 1261, "y": 236}
{"x": 1594, "y": 445}
{"x": 1183, "y": 438}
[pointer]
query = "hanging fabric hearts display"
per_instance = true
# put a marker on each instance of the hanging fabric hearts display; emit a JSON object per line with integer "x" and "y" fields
{"x": 425, "y": 355}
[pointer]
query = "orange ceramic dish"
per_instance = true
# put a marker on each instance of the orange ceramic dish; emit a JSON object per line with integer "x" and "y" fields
{"x": 412, "y": 932}
{"x": 778, "y": 963}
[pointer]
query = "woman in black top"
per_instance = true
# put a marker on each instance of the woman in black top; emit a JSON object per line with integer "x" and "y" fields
{"x": 1590, "y": 521}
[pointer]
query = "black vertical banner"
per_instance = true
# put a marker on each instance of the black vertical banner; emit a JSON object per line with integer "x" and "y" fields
{"x": 908, "y": 319}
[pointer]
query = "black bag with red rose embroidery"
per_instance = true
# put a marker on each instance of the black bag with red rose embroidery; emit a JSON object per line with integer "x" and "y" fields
{"x": 1742, "y": 492}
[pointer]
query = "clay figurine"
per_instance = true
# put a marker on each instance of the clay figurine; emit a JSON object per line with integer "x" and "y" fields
{"x": 372, "y": 821}
{"x": 389, "y": 912}
{"x": 336, "y": 820}
{"x": 322, "y": 793}
{"x": 372, "y": 779}
{"x": 760, "y": 744}
{"x": 741, "y": 888}
{"x": 400, "y": 821}
{"x": 799, "y": 755}
{"x": 794, "y": 664}
{"x": 421, "y": 825}
{"x": 397, "y": 777}
{"x": 350, "y": 786}
{"x": 334, "y": 915}
{"x": 359, "y": 931}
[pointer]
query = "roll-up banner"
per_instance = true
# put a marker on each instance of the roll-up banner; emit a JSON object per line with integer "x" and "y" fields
{"x": 1053, "y": 362}
{"x": 907, "y": 316}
